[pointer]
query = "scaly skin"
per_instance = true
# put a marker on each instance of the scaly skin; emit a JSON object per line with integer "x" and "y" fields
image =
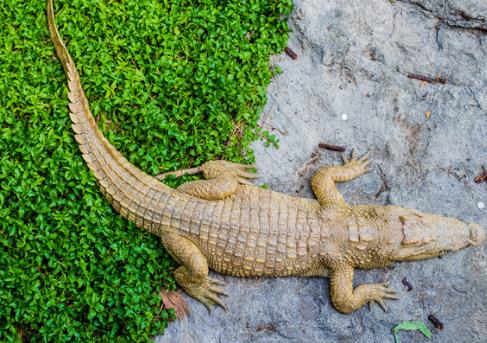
{"x": 226, "y": 224}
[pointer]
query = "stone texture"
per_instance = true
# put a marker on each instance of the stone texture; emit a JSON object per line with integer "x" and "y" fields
{"x": 354, "y": 59}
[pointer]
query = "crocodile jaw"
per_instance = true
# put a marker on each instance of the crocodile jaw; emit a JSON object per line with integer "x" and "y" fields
{"x": 426, "y": 236}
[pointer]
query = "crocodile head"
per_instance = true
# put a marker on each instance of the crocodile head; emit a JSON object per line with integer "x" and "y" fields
{"x": 424, "y": 235}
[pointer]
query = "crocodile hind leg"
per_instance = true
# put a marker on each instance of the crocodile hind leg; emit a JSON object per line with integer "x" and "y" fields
{"x": 323, "y": 181}
{"x": 192, "y": 275}
{"x": 347, "y": 299}
{"x": 222, "y": 180}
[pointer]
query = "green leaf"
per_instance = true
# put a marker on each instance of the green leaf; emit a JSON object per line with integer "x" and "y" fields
{"x": 411, "y": 326}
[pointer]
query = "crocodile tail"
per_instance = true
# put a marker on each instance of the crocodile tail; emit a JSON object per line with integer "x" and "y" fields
{"x": 61, "y": 50}
{"x": 124, "y": 185}
{"x": 84, "y": 124}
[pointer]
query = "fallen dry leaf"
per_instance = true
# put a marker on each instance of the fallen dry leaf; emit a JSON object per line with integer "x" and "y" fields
{"x": 481, "y": 178}
{"x": 175, "y": 300}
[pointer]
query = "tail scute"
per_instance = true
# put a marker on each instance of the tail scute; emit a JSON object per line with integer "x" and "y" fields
{"x": 80, "y": 139}
{"x": 74, "y": 118}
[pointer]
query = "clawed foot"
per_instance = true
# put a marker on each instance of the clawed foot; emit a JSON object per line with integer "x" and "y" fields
{"x": 361, "y": 165}
{"x": 241, "y": 172}
{"x": 208, "y": 293}
{"x": 218, "y": 168}
{"x": 378, "y": 293}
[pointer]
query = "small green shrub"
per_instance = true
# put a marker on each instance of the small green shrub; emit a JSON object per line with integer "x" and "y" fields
{"x": 172, "y": 84}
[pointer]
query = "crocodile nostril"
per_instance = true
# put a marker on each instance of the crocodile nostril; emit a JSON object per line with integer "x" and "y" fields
{"x": 477, "y": 234}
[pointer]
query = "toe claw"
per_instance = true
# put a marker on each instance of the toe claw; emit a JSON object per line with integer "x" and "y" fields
{"x": 247, "y": 175}
{"x": 244, "y": 167}
{"x": 249, "y": 166}
{"x": 244, "y": 181}
{"x": 366, "y": 165}
{"x": 207, "y": 305}
{"x": 392, "y": 297}
{"x": 216, "y": 282}
{"x": 218, "y": 290}
{"x": 365, "y": 157}
{"x": 353, "y": 155}
{"x": 344, "y": 158}
{"x": 217, "y": 301}
{"x": 381, "y": 304}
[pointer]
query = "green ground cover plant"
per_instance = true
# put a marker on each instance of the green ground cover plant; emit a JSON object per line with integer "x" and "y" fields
{"x": 172, "y": 84}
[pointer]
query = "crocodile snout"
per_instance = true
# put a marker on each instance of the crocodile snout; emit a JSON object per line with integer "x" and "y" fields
{"x": 477, "y": 235}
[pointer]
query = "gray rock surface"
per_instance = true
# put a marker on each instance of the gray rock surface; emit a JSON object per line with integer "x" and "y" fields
{"x": 354, "y": 60}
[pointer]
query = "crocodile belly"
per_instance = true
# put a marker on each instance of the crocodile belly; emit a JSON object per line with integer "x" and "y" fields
{"x": 253, "y": 266}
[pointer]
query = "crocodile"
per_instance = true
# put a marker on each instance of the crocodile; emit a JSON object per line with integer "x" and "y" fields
{"x": 225, "y": 223}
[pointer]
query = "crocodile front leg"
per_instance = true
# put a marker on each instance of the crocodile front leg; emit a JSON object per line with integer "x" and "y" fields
{"x": 192, "y": 275}
{"x": 222, "y": 180}
{"x": 323, "y": 181}
{"x": 346, "y": 299}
